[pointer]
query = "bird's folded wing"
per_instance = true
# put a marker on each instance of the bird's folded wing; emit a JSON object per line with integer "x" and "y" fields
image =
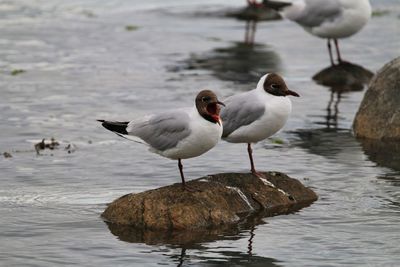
{"x": 240, "y": 110}
{"x": 162, "y": 131}
{"x": 317, "y": 12}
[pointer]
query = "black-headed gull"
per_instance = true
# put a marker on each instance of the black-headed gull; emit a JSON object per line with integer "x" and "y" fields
{"x": 176, "y": 134}
{"x": 252, "y": 116}
{"x": 330, "y": 19}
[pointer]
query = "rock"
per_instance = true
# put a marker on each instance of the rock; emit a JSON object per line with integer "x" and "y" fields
{"x": 7, "y": 155}
{"x": 43, "y": 145}
{"x": 224, "y": 199}
{"x": 344, "y": 77}
{"x": 379, "y": 114}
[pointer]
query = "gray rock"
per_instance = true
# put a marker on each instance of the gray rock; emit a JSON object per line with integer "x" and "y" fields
{"x": 379, "y": 114}
{"x": 223, "y": 200}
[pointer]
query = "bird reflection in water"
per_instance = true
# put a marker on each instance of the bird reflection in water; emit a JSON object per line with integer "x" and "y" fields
{"x": 341, "y": 78}
{"x": 253, "y": 13}
{"x": 196, "y": 241}
{"x": 182, "y": 257}
{"x": 250, "y": 32}
{"x": 242, "y": 61}
{"x": 250, "y": 244}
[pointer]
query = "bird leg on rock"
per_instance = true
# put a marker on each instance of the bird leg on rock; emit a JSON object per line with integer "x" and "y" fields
{"x": 253, "y": 169}
{"x": 330, "y": 51}
{"x": 184, "y": 185}
{"x": 339, "y": 58}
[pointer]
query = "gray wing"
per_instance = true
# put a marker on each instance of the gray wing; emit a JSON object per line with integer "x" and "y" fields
{"x": 240, "y": 110}
{"x": 318, "y": 11}
{"x": 162, "y": 131}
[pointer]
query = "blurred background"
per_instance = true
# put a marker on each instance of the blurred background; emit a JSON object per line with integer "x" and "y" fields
{"x": 64, "y": 64}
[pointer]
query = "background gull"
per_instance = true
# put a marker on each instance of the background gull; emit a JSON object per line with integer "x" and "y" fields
{"x": 330, "y": 19}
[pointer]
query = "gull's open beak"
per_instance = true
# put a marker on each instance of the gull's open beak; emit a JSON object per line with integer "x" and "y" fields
{"x": 219, "y": 102}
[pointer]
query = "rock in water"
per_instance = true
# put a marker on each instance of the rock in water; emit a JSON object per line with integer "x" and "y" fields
{"x": 223, "y": 199}
{"x": 379, "y": 114}
{"x": 344, "y": 77}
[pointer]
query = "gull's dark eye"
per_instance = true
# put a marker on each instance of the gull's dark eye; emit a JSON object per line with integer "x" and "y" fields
{"x": 205, "y": 99}
{"x": 275, "y": 86}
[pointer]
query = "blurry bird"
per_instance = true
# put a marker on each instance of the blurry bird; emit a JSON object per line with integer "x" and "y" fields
{"x": 176, "y": 134}
{"x": 252, "y": 116}
{"x": 330, "y": 19}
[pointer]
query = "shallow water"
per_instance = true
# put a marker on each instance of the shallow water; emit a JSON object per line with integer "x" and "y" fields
{"x": 81, "y": 64}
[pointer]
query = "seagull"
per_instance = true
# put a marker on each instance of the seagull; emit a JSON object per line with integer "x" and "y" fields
{"x": 176, "y": 134}
{"x": 330, "y": 19}
{"x": 252, "y": 116}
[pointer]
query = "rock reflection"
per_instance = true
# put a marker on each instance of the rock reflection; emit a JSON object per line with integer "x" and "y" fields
{"x": 185, "y": 241}
{"x": 185, "y": 237}
{"x": 383, "y": 153}
{"x": 241, "y": 62}
{"x": 341, "y": 145}
{"x": 337, "y": 144}
{"x": 342, "y": 78}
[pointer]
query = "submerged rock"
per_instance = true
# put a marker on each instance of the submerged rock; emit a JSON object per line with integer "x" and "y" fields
{"x": 52, "y": 144}
{"x": 379, "y": 114}
{"x": 224, "y": 199}
{"x": 7, "y": 155}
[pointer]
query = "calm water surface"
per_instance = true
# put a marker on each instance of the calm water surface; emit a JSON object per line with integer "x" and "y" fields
{"x": 81, "y": 64}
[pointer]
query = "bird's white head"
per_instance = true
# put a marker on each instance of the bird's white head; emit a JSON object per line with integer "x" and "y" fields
{"x": 274, "y": 84}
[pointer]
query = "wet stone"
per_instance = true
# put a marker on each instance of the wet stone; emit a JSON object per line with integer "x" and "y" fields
{"x": 223, "y": 199}
{"x": 42, "y": 145}
{"x": 7, "y": 155}
{"x": 379, "y": 114}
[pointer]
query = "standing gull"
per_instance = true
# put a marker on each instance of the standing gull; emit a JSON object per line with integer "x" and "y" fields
{"x": 176, "y": 134}
{"x": 330, "y": 19}
{"x": 252, "y": 116}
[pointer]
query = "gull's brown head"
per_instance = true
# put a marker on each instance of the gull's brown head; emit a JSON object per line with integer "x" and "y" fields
{"x": 208, "y": 106}
{"x": 275, "y": 85}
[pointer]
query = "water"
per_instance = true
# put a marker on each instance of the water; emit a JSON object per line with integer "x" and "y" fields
{"x": 81, "y": 64}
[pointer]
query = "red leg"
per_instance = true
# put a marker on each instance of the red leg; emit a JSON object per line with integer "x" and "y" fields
{"x": 253, "y": 169}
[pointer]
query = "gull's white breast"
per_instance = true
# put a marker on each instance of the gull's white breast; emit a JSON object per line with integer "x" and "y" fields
{"x": 277, "y": 111}
{"x": 204, "y": 135}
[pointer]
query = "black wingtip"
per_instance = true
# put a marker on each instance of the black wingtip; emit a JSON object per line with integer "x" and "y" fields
{"x": 115, "y": 126}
